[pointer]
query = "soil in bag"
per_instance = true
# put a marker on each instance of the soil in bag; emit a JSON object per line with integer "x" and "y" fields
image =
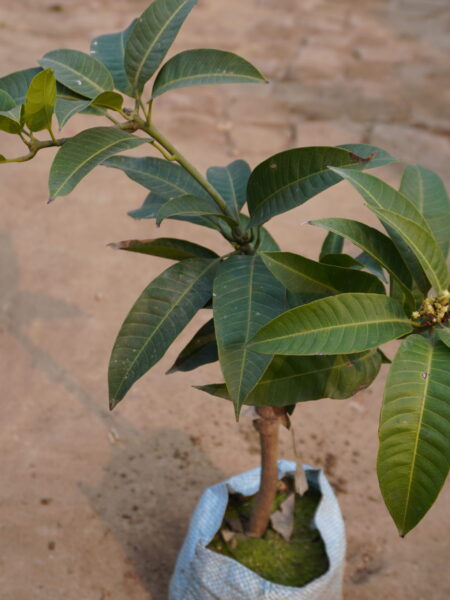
{"x": 291, "y": 562}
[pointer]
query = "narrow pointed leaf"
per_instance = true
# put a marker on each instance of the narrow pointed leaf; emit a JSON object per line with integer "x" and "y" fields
{"x": 444, "y": 335}
{"x": 201, "y": 350}
{"x": 336, "y": 325}
{"x": 78, "y": 71}
{"x": 375, "y": 244}
{"x": 318, "y": 280}
{"x": 17, "y": 84}
{"x": 332, "y": 244}
{"x": 109, "y": 49}
{"x": 204, "y": 67}
{"x": 161, "y": 312}
{"x": 231, "y": 183}
{"x": 171, "y": 248}
{"x": 40, "y": 101}
{"x": 292, "y": 379}
{"x": 427, "y": 191}
{"x": 151, "y": 38}
{"x": 80, "y": 154}
{"x": 414, "y": 456}
{"x": 111, "y": 100}
{"x": 378, "y": 157}
{"x": 246, "y": 296}
{"x": 190, "y": 206}
{"x": 405, "y": 220}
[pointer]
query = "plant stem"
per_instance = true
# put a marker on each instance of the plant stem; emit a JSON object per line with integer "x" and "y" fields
{"x": 267, "y": 426}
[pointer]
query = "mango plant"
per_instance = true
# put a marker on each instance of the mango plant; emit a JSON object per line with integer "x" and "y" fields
{"x": 285, "y": 328}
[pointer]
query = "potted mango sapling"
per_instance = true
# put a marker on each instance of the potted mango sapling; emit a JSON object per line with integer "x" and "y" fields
{"x": 285, "y": 328}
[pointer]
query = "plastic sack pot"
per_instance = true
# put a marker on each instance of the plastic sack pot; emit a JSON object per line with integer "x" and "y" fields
{"x": 201, "y": 574}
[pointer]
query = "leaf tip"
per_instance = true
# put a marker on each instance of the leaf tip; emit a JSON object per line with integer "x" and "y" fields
{"x": 50, "y": 200}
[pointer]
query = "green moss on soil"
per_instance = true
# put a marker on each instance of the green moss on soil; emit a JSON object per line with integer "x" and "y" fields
{"x": 292, "y": 563}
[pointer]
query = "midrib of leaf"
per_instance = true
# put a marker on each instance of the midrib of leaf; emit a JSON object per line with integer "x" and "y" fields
{"x": 81, "y": 165}
{"x": 249, "y": 312}
{"x": 309, "y": 278}
{"x": 150, "y": 48}
{"x": 201, "y": 75}
{"x": 233, "y": 191}
{"x": 176, "y": 186}
{"x": 160, "y": 324}
{"x": 78, "y": 73}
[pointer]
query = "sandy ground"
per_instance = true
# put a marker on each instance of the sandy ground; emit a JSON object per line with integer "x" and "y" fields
{"x": 94, "y": 506}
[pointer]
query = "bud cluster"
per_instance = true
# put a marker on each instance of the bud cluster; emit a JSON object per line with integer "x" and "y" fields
{"x": 433, "y": 311}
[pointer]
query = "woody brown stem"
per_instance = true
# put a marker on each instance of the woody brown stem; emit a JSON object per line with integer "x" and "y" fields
{"x": 267, "y": 426}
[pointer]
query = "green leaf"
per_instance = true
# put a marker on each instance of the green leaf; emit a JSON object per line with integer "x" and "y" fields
{"x": 292, "y": 379}
{"x": 65, "y": 109}
{"x": 78, "y": 71}
{"x": 161, "y": 312}
{"x": 40, "y": 101}
{"x": 204, "y": 67}
{"x": 17, "y": 84}
{"x": 413, "y": 458}
{"x": 80, "y": 154}
{"x": 151, "y": 38}
{"x": 164, "y": 178}
{"x": 6, "y": 101}
{"x": 427, "y": 191}
{"x": 246, "y": 296}
{"x": 376, "y": 156}
{"x": 400, "y": 215}
{"x": 292, "y": 177}
{"x": 201, "y": 350}
{"x": 9, "y": 125}
{"x": 372, "y": 265}
{"x": 316, "y": 280}
{"x": 341, "y": 260}
{"x": 266, "y": 241}
{"x": 171, "y": 248}
{"x": 444, "y": 335}
{"x": 109, "y": 49}
{"x": 375, "y": 244}
{"x": 341, "y": 324}
{"x": 332, "y": 244}
{"x": 231, "y": 183}
{"x": 111, "y": 100}
{"x": 190, "y": 206}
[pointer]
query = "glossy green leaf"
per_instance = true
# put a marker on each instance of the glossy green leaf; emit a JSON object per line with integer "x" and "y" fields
{"x": 80, "y": 154}
{"x": 444, "y": 335}
{"x": 6, "y": 101}
{"x": 201, "y": 350}
{"x": 17, "y": 84}
{"x": 190, "y": 206}
{"x": 161, "y": 312}
{"x": 40, "y": 101}
{"x": 292, "y": 379}
{"x": 315, "y": 280}
{"x": 427, "y": 190}
{"x": 332, "y": 244}
{"x": 340, "y": 324}
{"x": 246, "y": 296}
{"x": 377, "y": 157}
{"x": 8, "y": 124}
{"x": 109, "y": 49}
{"x": 111, "y": 100}
{"x": 414, "y": 454}
{"x": 204, "y": 67}
{"x": 151, "y": 38}
{"x": 231, "y": 183}
{"x": 401, "y": 215}
{"x": 292, "y": 177}
{"x": 78, "y": 71}
{"x": 375, "y": 244}
{"x": 171, "y": 248}
{"x": 341, "y": 260}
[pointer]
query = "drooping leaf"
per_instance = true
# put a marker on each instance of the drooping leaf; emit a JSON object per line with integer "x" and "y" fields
{"x": 341, "y": 324}
{"x": 204, "y": 67}
{"x": 414, "y": 454}
{"x": 427, "y": 190}
{"x": 375, "y": 244}
{"x": 109, "y": 49}
{"x": 231, "y": 183}
{"x": 151, "y": 38}
{"x": 444, "y": 335}
{"x": 17, "y": 84}
{"x": 246, "y": 296}
{"x": 201, "y": 350}
{"x": 315, "y": 280}
{"x": 111, "y": 100}
{"x": 378, "y": 157}
{"x": 401, "y": 216}
{"x": 292, "y": 177}
{"x": 332, "y": 244}
{"x": 161, "y": 312}
{"x": 80, "y": 154}
{"x": 190, "y": 206}
{"x": 171, "y": 248}
{"x": 40, "y": 101}
{"x": 78, "y": 71}
{"x": 292, "y": 379}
